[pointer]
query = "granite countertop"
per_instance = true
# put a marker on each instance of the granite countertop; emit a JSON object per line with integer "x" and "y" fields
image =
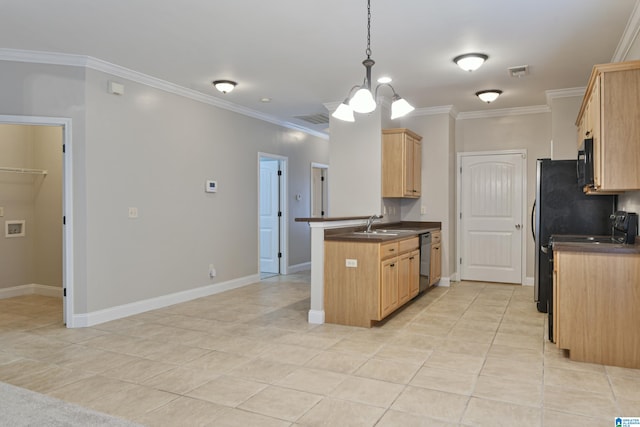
{"x": 397, "y": 231}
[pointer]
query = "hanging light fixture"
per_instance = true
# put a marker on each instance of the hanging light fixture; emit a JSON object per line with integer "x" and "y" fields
{"x": 363, "y": 101}
{"x": 489, "y": 96}
{"x": 224, "y": 86}
{"x": 470, "y": 61}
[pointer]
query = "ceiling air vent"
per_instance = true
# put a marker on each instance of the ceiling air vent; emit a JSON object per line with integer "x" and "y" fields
{"x": 519, "y": 71}
{"x": 316, "y": 119}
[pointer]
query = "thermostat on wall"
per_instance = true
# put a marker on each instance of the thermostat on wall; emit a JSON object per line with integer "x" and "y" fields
{"x": 211, "y": 187}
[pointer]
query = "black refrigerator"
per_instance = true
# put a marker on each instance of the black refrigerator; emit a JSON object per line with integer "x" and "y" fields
{"x": 561, "y": 207}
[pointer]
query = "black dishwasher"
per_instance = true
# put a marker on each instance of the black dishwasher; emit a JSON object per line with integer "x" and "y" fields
{"x": 425, "y": 260}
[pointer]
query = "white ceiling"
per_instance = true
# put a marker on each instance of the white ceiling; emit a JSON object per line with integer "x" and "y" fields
{"x": 305, "y": 53}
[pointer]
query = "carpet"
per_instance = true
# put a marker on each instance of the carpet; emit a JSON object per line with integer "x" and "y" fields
{"x": 20, "y": 408}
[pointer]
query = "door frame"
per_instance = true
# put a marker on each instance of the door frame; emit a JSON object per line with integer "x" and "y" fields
{"x": 67, "y": 204}
{"x": 284, "y": 208}
{"x": 523, "y": 214}
{"x": 315, "y": 165}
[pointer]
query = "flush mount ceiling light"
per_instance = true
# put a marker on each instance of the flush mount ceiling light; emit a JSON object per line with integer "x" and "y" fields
{"x": 489, "y": 96}
{"x": 470, "y": 61}
{"x": 363, "y": 101}
{"x": 224, "y": 86}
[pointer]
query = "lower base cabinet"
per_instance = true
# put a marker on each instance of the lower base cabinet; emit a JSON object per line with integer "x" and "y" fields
{"x": 365, "y": 282}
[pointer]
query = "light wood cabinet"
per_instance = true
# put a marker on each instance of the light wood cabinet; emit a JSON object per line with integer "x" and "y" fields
{"x": 401, "y": 163}
{"x": 610, "y": 114}
{"x": 436, "y": 258}
{"x": 364, "y": 282}
{"x": 595, "y": 307}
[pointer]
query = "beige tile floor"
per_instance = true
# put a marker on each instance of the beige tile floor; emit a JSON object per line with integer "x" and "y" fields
{"x": 473, "y": 354}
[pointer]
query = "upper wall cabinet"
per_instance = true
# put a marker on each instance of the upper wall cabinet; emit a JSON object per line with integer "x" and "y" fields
{"x": 610, "y": 114}
{"x": 401, "y": 163}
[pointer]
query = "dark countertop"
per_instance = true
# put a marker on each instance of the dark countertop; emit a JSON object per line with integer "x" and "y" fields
{"x": 329, "y": 219}
{"x": 409, "y": 229}
{"x": 604, "y": 248}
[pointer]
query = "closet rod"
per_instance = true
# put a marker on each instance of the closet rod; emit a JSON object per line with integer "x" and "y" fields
{"x": 23, "y": 170}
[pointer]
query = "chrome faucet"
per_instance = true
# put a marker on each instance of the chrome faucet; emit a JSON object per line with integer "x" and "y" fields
{"x": 370, "y": 221}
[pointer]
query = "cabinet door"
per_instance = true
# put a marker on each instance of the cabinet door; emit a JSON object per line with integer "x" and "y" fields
{"x": 404, "y": 278}
{"x": 436, "y": 263}
{"x": 417, "y": 168}
{"x": 414, "y": 273}
{"x": 389, "y": 287}
{"x": 593, "y": 123}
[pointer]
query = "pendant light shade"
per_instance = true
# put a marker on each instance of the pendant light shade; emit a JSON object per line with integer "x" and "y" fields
{"x": 344, "y": 112}
{"x": 363, "y": 100}
{"x": 489, "y": 96}
{"x": 470, "y": 61}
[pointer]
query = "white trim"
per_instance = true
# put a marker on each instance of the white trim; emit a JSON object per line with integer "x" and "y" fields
{"x": 135, "y": 76}
{"x": 518, "y": 111}
{"x": 460, "y": 155}
{"x": 305, "y": 266}
{"x": 629, "y": 35}
{"x": 564, "y": 93}
{"x": 445, "y": 282}
{"x": 31, "y": 289}
{"x": 432, "y": 111}
{"x": 528, "y": 281}
{"x": 67, "y": 201}
{"x": 316, "y": 317}
{"x": 125, "y": 310}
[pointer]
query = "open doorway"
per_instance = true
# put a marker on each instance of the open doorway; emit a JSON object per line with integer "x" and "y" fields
{"x": 272, "y": 215}
{"x": 35, "y": 191}
{"x": 319, "y": 192}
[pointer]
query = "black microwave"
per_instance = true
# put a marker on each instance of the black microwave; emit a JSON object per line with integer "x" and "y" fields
{"x": 585, "y": 163}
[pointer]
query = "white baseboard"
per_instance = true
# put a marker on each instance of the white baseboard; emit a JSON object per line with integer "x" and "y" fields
{"x": 125, "y": 310}
{"x": 528, "y": 281}
{"x": 316, "y": 317}
{"x": 305, "y": 266}
{"x": 31, "y": 289}
{"x": 445, "y": 282}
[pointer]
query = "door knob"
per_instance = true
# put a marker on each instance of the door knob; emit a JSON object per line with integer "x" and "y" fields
{"x": 518, "y": 226}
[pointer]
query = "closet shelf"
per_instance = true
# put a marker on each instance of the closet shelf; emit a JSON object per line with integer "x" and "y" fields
{"x": 24, "y": 170}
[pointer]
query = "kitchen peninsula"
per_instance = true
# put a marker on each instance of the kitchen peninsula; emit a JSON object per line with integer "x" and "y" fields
{"x": 335, "y": 233}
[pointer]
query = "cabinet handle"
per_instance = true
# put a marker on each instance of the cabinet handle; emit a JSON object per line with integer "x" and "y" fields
{"x": 391, "y": 250}
{"x": 392, "y": 265}
{"x": 412, "y": 257}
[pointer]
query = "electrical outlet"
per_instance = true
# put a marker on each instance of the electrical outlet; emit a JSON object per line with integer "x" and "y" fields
{"x": 133, "y": 212}
{"x": 423, "y": 210}
{"x": 351, "y": 263}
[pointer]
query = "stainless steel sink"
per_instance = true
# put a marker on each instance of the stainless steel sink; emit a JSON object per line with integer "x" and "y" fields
{"x": 377, "y": 232}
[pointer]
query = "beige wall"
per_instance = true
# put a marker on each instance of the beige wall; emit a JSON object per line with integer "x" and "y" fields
{"x": 529, "y": 131}
{"x": 154, "y": 150}
{"x": 564, "y": 112}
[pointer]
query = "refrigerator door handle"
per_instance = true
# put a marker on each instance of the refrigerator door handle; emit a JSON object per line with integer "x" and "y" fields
{"x": 533, "y": 224}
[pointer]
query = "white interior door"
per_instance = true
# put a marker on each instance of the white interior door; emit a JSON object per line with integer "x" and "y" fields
{"x": 491, "y": 221}
{"x": 269, "y": 216}
{"x": 319, "y": 193}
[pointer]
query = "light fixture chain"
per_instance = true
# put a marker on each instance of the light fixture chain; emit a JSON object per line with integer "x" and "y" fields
{"x": 368, "y": 51}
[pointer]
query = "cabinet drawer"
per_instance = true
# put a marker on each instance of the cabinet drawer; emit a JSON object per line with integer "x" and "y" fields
{"x": 408, "y": 245}
{"x": 435, "y": 237}
{"x": 389, "y": 250}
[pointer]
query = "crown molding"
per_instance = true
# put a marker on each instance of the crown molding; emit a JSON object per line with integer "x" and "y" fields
{"x": 432, "y": 111}
{"x": 564, "y": 93}
{"x": 96, "y": 64}
{"x": 629, "y": 35}
{"x": 536, "y": 109}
